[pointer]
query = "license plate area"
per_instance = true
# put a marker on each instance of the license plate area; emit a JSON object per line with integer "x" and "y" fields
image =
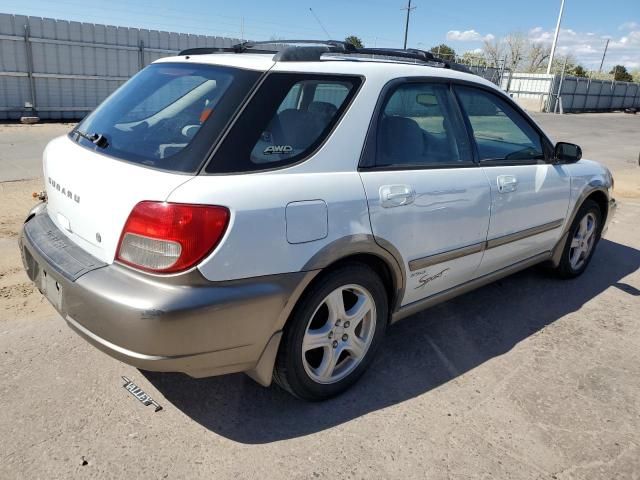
{"x": 53, "y": 250}
{"x": 51, "y": 289}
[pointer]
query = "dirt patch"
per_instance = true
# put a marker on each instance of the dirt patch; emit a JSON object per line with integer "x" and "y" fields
{"x": 21, "y": 290}
{"x": 5, "y": 272}
{"x": 17, "y": 199}
{"x": 7, "y": 231}
{"x": 19, "y": 298}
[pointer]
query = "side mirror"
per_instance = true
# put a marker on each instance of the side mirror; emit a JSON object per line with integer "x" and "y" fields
{"x": 567, "y": 152}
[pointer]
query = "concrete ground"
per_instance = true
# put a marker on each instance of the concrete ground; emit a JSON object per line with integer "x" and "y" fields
{"x": 528, "y": 378}
{"x": 610, "y": 138}
{"x": 21, "y": 148}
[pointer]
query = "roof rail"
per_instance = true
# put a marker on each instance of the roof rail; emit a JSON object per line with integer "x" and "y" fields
{"x": 409, "y": 53}
{"x": 312, "y": 50}
{"x": 332, "y": 45}
{"x": 430, "y": 58}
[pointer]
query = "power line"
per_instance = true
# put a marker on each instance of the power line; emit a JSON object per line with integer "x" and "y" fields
{"x": 179, "y": 21}
{"x": 408, "y": 8}
{"x": 154, "y": 19}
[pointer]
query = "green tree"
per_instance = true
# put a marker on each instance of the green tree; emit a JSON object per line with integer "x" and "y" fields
{"x": 444, "y": 52}
{"x": 355, "y": 41}
{"x": 620, "y": 74}
{"x": 577, "y": 71}
{"x": 473, "y": 58}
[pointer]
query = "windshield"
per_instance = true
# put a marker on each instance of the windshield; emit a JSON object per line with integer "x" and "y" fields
{"x": 167, "y": 116}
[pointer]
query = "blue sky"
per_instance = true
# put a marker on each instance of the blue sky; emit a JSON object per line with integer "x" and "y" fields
{"x": 461, "y": 23}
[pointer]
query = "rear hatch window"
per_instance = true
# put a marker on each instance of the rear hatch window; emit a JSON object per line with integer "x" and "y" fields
{"x": 167, "y": 116}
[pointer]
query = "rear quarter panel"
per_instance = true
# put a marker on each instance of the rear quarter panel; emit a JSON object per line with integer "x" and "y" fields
{"x": 255, "y": 243}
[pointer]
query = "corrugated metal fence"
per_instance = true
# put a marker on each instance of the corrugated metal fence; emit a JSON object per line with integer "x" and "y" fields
{"x": 574, "y": 94}
{"x": 61, "y": 70}
{"x": 558, "y": 93}
{"x": 492, "y": 74}
{"x": 58, "y": 69}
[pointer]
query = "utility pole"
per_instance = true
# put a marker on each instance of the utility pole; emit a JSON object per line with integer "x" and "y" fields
{"x": 408, "y": 8}
{"x": 606, "y": 47}
{"x": 555, "y": 38}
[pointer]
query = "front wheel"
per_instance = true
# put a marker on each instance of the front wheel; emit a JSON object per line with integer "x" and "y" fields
{"x": 584, "y": 235}
{"x": 333, "y": 333}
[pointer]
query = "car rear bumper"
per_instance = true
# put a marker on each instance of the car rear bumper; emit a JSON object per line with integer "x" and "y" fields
{"x": 182, "y": 323}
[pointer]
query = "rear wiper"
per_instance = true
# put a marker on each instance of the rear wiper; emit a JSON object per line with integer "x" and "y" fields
{"x": 96, "y": 138}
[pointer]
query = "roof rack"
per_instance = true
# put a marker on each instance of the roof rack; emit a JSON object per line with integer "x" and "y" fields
{"x": 313, "y": 50}
{"x": 280, "y": 45}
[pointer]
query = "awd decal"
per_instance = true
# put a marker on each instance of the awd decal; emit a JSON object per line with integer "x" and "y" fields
{"x": 137, "y": 392}
{"x": 423, "y": 280}
{"x": 278, "y": 149}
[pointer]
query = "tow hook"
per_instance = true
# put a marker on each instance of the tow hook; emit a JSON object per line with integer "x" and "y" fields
{"x": 42, "y": 196}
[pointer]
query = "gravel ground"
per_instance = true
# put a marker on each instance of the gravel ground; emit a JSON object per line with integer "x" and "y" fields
{"x": 528, "y": 378}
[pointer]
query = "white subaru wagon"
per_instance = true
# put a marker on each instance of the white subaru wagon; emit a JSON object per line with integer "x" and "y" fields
{"x": 272, "y": 209}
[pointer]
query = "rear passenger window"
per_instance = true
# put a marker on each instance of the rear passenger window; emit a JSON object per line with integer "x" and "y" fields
{"x": 420, "y": 126}
{"x": 501, "y": 133}
{"x": 287, "y": 119}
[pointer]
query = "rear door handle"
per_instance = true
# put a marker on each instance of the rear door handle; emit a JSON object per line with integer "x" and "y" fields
{"x": 507, "y": 183}
{"x": 396, "y": 195}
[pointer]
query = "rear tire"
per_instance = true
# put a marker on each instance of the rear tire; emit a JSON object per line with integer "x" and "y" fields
{"x": 333, "y": 333}
{"x": 584, "y": 235}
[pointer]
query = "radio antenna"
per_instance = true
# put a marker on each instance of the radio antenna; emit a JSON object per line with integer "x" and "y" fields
{"x": 319, "y": 22}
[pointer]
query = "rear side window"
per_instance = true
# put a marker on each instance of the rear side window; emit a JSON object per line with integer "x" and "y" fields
{"x": 420, "y": 126}
{"x": 331, "y": 93}
{"x": 502, "y": 134}
{"x": 286, "y": 121}
{"x": 168, "y": 115}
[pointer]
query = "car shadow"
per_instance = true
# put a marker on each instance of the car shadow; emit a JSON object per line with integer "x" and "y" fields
{"x": 419, "y": 354}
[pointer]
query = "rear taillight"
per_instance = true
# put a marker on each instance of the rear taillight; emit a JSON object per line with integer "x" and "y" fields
{"x": 170, "y": 237}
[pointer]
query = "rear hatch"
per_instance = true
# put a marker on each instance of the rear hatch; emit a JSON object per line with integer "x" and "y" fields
{"x": 90, "y": 195}
{"x": 150, "y": 136}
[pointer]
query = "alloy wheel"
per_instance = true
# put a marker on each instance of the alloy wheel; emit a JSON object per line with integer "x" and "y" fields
{"x": 339, "y": 334}
{"x": 583, "y": 241}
